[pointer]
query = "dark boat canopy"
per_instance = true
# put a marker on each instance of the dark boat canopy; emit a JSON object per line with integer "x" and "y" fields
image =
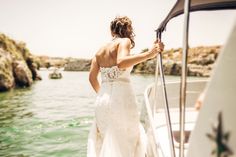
{"x": 196, "y": 5}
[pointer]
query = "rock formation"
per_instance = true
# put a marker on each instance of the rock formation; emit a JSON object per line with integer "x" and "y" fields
{"x": 17, "y": 67}
{"x": 6, "y": 71}
{"x": 200, "y": 62}
{"x": 78, "y": 65}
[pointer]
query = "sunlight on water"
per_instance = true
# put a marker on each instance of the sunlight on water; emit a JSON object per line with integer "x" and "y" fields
{"x": 52, "y": 118}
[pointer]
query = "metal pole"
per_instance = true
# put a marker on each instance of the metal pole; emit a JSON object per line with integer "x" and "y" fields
{"x": 155, "y": 88}
{"x": 183, "y": 77}
{"x": 167, "y": 111}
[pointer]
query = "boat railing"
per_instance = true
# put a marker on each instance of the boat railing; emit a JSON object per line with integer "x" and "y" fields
{"x": 152, "y": 142}
{"x": 154, "y": 103}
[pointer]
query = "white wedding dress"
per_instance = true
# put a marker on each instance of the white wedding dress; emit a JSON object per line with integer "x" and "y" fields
{"x": 116, "y": 131}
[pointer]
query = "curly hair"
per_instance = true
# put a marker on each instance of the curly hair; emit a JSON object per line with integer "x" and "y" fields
{"x": 122, "y": 27}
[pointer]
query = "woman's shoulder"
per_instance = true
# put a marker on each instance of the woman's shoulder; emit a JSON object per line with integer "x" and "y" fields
{"x": 125, "y": 42}
{"x": 106, "y": 46}
{"x": 100, "y": 51}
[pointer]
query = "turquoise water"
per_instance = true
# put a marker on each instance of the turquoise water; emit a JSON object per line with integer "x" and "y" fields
{"x": 52, "y": 118}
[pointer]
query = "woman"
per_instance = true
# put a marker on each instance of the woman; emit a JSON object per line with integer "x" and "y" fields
{"x": 116, "y": 131}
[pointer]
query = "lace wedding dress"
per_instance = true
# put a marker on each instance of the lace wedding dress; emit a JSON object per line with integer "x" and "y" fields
{"x": 116, "y": 131}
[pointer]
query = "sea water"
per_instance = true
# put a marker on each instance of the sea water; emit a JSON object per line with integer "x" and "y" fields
{"x": 52, "y": 118}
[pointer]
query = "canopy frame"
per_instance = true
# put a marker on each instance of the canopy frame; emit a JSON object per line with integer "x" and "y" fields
{"x": 185, "y": 6}
{"x": 195, "y": 5}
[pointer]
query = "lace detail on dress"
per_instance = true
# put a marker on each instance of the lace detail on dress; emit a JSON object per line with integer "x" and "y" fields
{"x": 110, "y": 73}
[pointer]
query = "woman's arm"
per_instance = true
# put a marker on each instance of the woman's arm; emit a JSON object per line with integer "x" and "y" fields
{"x": 124, "y": 60}
{"x": 93, "y": 73}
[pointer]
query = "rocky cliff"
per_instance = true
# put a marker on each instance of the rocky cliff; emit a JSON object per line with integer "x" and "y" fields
{"x": 200, "y": 62}
{"x": 17, "y": 67}
{"x": 78, "y": 65}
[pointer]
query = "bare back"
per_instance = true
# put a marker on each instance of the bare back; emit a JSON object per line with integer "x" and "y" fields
{"x": 107, "y": 55}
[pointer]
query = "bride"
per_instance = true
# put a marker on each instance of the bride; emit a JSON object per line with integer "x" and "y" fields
{"x": 116, "y": 131}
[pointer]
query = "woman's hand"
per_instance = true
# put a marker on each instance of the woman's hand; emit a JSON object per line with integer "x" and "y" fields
{"x": 157, "y": 47}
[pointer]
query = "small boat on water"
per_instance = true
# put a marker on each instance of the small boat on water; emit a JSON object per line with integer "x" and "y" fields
{"x": 55, "y": 74}
{"x": 181, "y": 130}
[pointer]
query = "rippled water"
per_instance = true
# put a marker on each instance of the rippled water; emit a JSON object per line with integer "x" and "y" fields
{"x": 52, "y": 118}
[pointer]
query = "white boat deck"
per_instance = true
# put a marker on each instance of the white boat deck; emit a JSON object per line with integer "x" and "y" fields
{"x": 161, "y": 132}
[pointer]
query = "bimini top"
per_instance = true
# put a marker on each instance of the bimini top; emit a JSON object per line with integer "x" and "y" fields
{"x": 196, "y": 5}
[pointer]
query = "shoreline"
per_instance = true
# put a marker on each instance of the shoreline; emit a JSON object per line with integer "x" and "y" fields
{"x": 19, "y": 67}
{"x": 200, "y": 62}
